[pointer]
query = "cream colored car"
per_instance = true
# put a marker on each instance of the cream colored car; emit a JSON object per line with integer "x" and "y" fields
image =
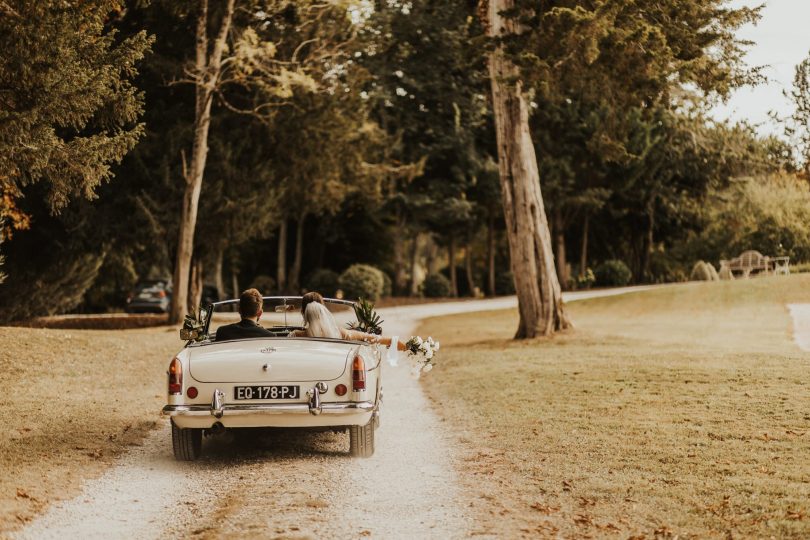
{"x": 281, "y": 381}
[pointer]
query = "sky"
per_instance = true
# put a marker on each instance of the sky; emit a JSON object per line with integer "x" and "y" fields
{"x": 782, "y": 40}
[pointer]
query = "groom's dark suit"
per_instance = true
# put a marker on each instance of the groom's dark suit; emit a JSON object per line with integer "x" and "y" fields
{"x": 246, "y": 328}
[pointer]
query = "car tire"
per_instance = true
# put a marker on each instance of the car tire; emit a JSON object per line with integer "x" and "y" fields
{"x": 187, "y": 443}
{"x": 361, "y": 440}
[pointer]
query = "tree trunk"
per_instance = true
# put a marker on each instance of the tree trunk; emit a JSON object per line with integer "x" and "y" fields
{"x": 532, "y": 261}
{"x": 491, "y": 254}
{"x": 432, "y": 255}
{"x": 195, "y": 286}
{"x": 583, "y": 253}
{"x": 400, "y": 279}
{"x": 412, "y": 284}
{"x": 648, "y": 242}
{"x": 218, "y": 281}
{"x": 281, "y": 258}
{"x": 207, "y": 69}
{"x": 560, "y": 256}
{"x": 235, "y": 281}
{"x": 468, "y": 265}
{"x": 451, "y": 260}
{"x": 295, "y": 271}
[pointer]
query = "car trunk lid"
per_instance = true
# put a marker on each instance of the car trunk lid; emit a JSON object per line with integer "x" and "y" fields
{"x": 269, "y": 360}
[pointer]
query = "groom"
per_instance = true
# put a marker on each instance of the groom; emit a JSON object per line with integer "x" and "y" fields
{"x": 250, "y": 309}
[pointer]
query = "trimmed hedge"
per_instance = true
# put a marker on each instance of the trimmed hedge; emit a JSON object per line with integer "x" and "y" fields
{"x": 265, "y": 284}
{"x": 436, "y": 286}
{"x": 361, "y": 281}
{"x": 324, "y": 281}
{"x": 612, "y": 273}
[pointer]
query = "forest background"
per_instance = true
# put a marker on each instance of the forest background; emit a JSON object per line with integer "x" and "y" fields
{"x": 345, "y": 132}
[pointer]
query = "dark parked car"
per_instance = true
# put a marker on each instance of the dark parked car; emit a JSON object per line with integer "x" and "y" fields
{"x": 155, "y": 295}
{"x": 150, "y": 296}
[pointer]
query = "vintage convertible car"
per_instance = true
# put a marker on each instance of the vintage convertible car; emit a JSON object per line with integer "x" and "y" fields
{"x": 281, "y": 381}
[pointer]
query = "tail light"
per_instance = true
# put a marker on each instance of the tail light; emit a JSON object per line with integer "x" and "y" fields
{"x": 175, "y": 377}
{"x": 341, "y": 390}
{"x": 161, "y": 294}
{"x": 358, "y": 373}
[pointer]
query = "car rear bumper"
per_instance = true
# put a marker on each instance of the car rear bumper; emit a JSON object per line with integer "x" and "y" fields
{"x": 271, "y": 414}
{"x": 269, "y": 408}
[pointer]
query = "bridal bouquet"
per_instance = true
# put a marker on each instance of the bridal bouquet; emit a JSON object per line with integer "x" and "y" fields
{"x": 422, "y": 353}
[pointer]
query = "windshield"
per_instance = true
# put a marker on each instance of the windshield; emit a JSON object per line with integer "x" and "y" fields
{"x": 278, "y": 312}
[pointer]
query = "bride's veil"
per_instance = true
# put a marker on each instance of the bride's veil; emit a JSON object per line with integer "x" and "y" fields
{"x": 320, "y": 322}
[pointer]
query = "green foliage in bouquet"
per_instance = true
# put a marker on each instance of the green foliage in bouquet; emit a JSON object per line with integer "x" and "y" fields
{"x": 367, "y": 319}
{"x": 194, "y": 327}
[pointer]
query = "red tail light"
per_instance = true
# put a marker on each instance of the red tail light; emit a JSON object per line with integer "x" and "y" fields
{"x": 161, "y": 294}
{"x": 358, "y": 373}
{"x": 341, "y": 389}
{"x": 175, "y": 377}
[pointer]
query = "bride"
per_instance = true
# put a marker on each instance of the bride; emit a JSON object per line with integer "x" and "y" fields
{"x": 319, "y": 322}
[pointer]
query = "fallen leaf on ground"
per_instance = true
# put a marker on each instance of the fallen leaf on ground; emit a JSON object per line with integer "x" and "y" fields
{"x": 567, "y": 485}
{"x": 546, "y": 509}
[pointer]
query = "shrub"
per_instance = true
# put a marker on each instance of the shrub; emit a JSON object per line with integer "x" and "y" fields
{"x": 612, "y": 273}
{"x": 361, "y": 281}
{"x": 699, "y": 272}
{"x": 324, "y": 281}
{"x": 585, "y": 280}
{"x": 436, "y": 286}
{"x": 504, "y": 283}
{"x": 703, "y": 271}
{"x": 264, "y": 283}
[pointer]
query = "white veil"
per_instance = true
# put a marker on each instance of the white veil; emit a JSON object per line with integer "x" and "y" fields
{"x": 320, "y": 322}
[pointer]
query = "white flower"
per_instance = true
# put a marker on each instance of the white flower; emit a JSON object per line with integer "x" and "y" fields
{"x": 424, "y": 347}
{"x": 427, "y": 368}
{"x": 436, "y": 346}
{"x": 418, "y": 340}
{"x": 429, "y": 354}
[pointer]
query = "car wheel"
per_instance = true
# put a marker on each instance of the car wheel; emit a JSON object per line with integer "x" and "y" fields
{"x": 187, "y": 443}
{"x": 361, "y": 440}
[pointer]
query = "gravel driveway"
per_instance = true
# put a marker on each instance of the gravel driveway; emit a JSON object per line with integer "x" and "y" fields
{"x": 291, "y": 485}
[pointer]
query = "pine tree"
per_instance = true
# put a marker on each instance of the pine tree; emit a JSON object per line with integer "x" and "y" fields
{"x": 68, "y": 109}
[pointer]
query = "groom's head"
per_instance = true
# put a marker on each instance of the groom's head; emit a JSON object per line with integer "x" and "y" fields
{"x": 310, "y": 297}
{"x": 250, "y": 304}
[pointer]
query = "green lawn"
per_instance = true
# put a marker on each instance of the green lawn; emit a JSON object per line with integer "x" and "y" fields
{"x": 678, "y": 411}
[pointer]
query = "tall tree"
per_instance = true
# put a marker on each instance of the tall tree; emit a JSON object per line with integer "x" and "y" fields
{"x": 206, "y": 75}
{"x": 253, "y": 70}
{"x": 538, "y": 289}
{"x": 799, "y": 126}
{"x": 68, "y": 109}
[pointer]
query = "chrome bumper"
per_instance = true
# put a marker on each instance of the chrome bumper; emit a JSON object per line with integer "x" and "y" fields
{"x": 267, "y": 408}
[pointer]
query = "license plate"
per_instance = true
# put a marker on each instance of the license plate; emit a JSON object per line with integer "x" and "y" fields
{"x": 266, "y": 392}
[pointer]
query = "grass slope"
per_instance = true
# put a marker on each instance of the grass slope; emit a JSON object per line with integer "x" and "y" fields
{"x": 678, "y": 411}
{"x": 72, "y": 401}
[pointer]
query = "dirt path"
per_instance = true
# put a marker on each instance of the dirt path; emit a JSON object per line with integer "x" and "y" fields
{"x": 291, "y": 485}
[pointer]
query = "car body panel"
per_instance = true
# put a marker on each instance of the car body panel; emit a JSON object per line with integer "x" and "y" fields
{"x": 267, "y": 360}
